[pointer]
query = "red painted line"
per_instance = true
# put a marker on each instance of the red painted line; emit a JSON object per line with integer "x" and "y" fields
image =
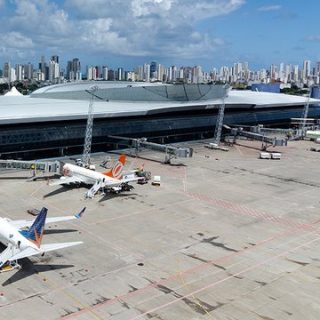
{"x": 211, "y": 285}
{"x": 243, "y": 210}
{"x": 179, "y": 274}
{"x": 222, "y": 203}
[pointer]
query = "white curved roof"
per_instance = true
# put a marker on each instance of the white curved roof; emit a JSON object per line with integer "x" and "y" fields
{"x": 26, "y": 109}
{"x": 85, "y": 85}
{"x": 266, "y": 99}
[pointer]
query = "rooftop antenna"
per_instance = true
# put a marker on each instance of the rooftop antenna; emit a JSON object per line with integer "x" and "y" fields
{"x": 88, "y": 136}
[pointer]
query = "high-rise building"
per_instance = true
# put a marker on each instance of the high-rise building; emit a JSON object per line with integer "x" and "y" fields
{"x": 76, "y": 65}
{"x": 120, "y": 74}
{"x": 181, "y": 74}
{"x": 54, "y": 71}
{"x": 172, "y": 73}
{"x": 73, "y": 69}
{"x": 111, "y": 75}
{"x": 214, "y": 74}
{"x": 306, "y": 71}
{"x": 237, "y": 71}
{"x": 19, "y": 72}
{"x": 281, "y": 72}
{"x": 130, "y": 76}
{"x": 161, "y": 74}
{"x": 55, "y": 59}
{"x": 295, "y": 73}
{"x": 196, "y": 75}
{"x": 274, "y": 73}
{"x": 6, "y": 70}
{"x": 78, "y": 75}
{"x": 153, "y": 70}
{"x": 287, "y": 73}
{"x": 318, "y": 68}
{"x": 187, "y": 71}
{"x": 28, "y": 71}
{"x": 262, "y": 75}
{"x": 13, "y": 76}
{"x": 91, "y": 73}
{"x": 69, "y": 72}
{"x": 98, "y": 72}
{"x": 146, "y": 72}
{"x": 105, "y": 73}
{"x": 44, "y": 68}
{"x": 139, "y": 73}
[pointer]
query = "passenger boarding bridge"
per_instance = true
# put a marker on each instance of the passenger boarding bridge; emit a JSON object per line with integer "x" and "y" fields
{"x": 37, "y": 167}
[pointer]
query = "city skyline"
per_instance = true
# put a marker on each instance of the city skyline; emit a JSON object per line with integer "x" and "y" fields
{"x": 239, "y": 72}
{"x": 128, "y": 33}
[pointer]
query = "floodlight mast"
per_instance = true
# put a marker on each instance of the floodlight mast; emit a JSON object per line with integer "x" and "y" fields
{"x": 219, "y": 123}
{"x": 220, "y": 118}
{"x": 88, "y": 135}
{"x": 305, "y": 115}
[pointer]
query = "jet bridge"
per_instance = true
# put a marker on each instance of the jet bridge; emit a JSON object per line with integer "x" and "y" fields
{"x": 169, "y": 150}
{"x": 266, "y": 140}
{"x": 37, "y": 167}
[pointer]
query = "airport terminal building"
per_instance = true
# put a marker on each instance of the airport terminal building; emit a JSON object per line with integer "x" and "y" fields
{"x": 53, "y": 119}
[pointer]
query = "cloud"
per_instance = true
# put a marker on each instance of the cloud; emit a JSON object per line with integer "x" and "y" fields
{"x": 15, "y": 44}
{"x": 314, "y": 38}
{"x": 149, "y": 27}
{"x": 161, "y": 28}
{"x": 16, "y": 40}
{"x": 176, "y": 9}
{"x": 275, "y": 7}
{"x": 299, "y": 48}
{"x": 39, "y": 17}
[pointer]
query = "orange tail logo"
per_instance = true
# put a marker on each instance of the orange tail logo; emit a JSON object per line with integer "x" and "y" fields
{"x": 38, "y": 237}
{"x": 116, "y": 171}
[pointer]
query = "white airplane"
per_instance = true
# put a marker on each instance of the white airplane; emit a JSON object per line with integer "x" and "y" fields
{"x": 23, "y": 238}
{"x": 112, "y": 179}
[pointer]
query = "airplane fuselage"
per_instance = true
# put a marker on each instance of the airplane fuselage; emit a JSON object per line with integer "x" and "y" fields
{"x": 9, "y": 234}
{"x": 86, "y": 175}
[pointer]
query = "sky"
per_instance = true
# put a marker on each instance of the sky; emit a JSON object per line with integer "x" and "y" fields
{"x": 127, "y": 33}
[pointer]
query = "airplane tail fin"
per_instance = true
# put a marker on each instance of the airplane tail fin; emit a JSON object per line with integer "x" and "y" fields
{"x": 116, "y": 171}
{"x": 35, "y": 232}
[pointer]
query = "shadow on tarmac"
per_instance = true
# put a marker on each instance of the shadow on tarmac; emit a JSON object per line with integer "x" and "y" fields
{"x": 58, "y": 231}
{"x": 28, "y": 269}
{"x": 56, "y": 192}
{"x": 109, "y": 196}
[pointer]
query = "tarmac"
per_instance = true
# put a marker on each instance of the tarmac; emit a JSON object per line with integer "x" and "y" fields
{"x": 225, "y": 236}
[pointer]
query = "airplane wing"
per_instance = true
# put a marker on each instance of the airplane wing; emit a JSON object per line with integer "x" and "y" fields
{"x": 28, "y": 223}
{"x": 66, "y": 180}
{"x": 28, "y": 252}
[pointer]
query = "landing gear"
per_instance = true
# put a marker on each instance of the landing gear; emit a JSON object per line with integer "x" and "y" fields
{"x": 126, "y": 187}
{"x": 10, "y": 266}
{"x": 118, "y": 189}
